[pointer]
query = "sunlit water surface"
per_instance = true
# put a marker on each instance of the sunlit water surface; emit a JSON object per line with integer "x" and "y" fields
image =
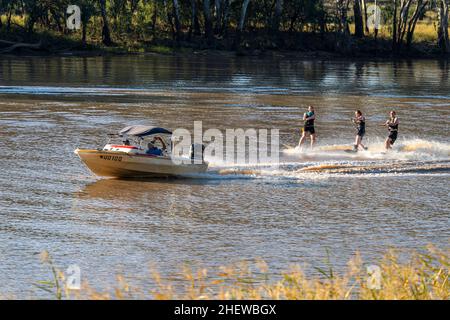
{"x": 293, "y": 213}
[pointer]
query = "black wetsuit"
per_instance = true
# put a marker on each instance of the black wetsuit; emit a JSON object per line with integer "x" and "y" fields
{"x": 393, "y": 132}
{"x": 309, "y": 124}
{"x": 361, "y": 127}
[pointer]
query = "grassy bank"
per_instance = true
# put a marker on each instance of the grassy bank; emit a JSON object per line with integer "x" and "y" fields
{"x": 255, "y": 42}
{"x": 418, "y": 276}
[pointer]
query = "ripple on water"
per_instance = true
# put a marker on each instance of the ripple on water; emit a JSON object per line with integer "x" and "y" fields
{"x": 289, "y": 213}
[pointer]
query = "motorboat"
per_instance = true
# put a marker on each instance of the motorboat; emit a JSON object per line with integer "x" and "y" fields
{"x": 142, "y": 151}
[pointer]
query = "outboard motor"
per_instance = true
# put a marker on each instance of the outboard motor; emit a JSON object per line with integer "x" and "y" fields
{"x": 197, "y": 152}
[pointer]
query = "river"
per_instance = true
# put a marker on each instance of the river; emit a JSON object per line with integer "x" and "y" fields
{"x": 312, "y": 203}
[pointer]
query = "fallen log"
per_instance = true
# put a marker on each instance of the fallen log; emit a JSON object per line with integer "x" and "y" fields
{"x": 7, "y": 42}
{"x": 20, "y": 45}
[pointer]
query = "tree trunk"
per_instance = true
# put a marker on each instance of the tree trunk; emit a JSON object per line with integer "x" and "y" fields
{"x": 443, "y": 39}
{"x": 413, "y": 21}
{"x": 364, "y": 5}
{"x": 342, "y": 32}
{"x": 277, "y": 15}
{"x": 226, "y": 17}
{"x": 404, "y": 10}
{"x": 169, "y": 17}
{"x": 154, "y": 18}
{"x": 8, "y": 21}
{"x": 322, "y": 18}
{"x": 400, "y": 23}
{"x": 218, "y": 9}
{"x": 406, "y": 24}
{"x": 342, "y": 6}
{"x": 83, "y": 32}
{"x": 394, "y": 27}
{"x": 359, "y": 28}
{"x": 208, "y": 22}
{"x": 176, "y": 14}
{"x": 57, "y": 19}
{"x": 237, "y": 40}
{"x": 30, "y": 25}
{"x": 106, "y": 35}
{"x": 243, "y": 15}
{"x": 30, "y": 22}
{"x": 293, "y": 19}
{"x": 195, "y": 25}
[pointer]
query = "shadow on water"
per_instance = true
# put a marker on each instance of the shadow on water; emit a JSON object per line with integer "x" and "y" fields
{"x": 121, "y": 188}
{"x": 124, "y": 187}
{"x": 130, "y": 189}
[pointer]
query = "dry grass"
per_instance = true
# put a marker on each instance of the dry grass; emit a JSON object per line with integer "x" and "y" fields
{"x": 422, "y": 276}
{"x": 426, "y": 31}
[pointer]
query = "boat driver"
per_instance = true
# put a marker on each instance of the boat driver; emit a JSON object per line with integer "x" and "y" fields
{"x": 153, "y": 150}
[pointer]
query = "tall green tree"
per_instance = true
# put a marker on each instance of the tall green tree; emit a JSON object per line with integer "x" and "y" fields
{"x": 405, "y": 22}
{"x": 418, "y": 11}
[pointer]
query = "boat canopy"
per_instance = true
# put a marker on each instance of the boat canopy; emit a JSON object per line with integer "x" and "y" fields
{"x": 142, "y": 131}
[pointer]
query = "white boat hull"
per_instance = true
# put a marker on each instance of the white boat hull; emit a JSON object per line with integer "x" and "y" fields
{"x": 125, "y": 165}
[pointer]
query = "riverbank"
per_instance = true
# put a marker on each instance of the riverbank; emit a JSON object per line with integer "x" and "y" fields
{"x": 419, "y": 276}
{"x": 290, "y": 45}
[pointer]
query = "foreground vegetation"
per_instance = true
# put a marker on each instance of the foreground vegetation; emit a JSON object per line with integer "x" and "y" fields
{"x": 344, "y": 27}
{"x": 418, "y": 276}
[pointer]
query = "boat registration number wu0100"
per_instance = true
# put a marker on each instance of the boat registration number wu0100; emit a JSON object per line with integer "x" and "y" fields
{"x": 112, "y": 158}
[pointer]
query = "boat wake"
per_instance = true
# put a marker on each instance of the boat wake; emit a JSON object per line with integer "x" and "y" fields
{"x": 412, "y": 149}
{"x": 410, "y": 157}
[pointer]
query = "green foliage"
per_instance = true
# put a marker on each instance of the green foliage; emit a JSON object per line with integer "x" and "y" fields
{"x": 139, "y": 23}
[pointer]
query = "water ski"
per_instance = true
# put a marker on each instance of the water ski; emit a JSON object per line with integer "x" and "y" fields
{"x": 353, "y": 150}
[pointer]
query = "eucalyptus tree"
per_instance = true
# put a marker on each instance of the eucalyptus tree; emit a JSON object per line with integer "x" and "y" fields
{"x": 243, "y": 15}
{"x": 405, "y": 21}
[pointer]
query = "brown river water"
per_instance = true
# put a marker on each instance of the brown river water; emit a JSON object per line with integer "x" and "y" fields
{"x": 319, "y": 201}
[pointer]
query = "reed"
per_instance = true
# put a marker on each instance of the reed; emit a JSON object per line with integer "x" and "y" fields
{"x": 419, "y": 276}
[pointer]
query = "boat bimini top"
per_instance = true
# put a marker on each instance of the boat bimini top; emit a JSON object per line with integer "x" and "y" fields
{"x": 142, "y": 131}
{"x": 147, "y": 139}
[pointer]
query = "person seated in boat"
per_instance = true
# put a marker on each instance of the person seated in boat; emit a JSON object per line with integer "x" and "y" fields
{"x": 360, "y": 122}
{"x": 308, "y": 127}
{"x": 392, "y": 125}
{"x": 153, "y": 150}
{"x": 163, "y": 144}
